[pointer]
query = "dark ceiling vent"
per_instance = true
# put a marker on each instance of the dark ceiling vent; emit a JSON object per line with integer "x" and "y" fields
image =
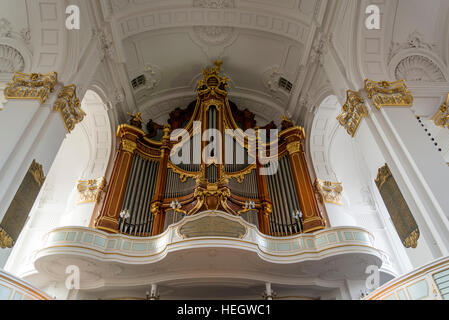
{"x": 285, "y": 84}
{"x": 138, "y": 82}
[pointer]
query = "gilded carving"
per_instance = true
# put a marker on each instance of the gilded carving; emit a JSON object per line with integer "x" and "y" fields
{"x": 386, "y": 93}
{"x": 183, "y": 174}
{"x": 69, "y": 107}
{"x": 397, "y": 207}
{"x": 38, "y": 173}
{"x": 212, "y": 190}
{"x": 441, "y": 119}
{"x": 353, "y": 111}
{"x": 135, "y": 119}
{"x": 5, "y": 240}
{"x": 329, "y": 192}
{"x": 128, "y": 145}
{"x": 294, "y": 147}
{"x": 239, "y": 175}
{"x": 90, "y": 190}
{"x": 267, "y": 208}
{"x": 34, "y": 86}
{"x": 212, "y": 82}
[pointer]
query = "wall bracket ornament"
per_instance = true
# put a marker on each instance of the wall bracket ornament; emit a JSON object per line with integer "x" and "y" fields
{"x": 34, "y": 86}
{"x": 90, "y": 190}
{"x": 386, "y": 93}
{"x": 69, "y": 107}
{"x": 353, "y": 111}
{"x": 330, "y": 192}
{"x": 441, "y": 119}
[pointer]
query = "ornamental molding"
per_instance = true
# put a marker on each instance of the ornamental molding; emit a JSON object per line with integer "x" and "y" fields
{"x": 418, "y": 68}
{"x": 251, "y": 19}
{"x": 34, "y": 86}
{"x": 441, "y": 118}
{"x": 353, "y": 112}
{"x": 90, "y": 190}
{"x": 105, "y": 43}
{"x": 11, "y": 60}
{"x": 5, "y": 28}
{"x": 214, "y": 4}
{"x": 386, "y": 93}
{"x": 69, "y": 107}
{"x": 415, "y": 40}
{"x": 330, "y": 192}
{"x": 320, "y": 48}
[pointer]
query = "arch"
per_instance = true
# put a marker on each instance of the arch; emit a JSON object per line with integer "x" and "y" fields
{"x": 322, "y": 128}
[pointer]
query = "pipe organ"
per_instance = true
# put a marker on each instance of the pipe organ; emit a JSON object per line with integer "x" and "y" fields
{"x": 210, "y": 156}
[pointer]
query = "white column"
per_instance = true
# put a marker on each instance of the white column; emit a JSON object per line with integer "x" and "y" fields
{"x": 418, "y": 168}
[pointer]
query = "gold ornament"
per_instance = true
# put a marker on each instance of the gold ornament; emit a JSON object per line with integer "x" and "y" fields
{"x": 90, "y": 190}
{"x": 386, "y": 93}
{"x": 353, "y": 111}
{"x": 34, "y": 86}
{"x": 329, "y": 192}
{"x": 69, "y": 107}
{"x": 441, "y": 119}
{"x": 38, "y": 173}
{"x": 5, "y": 240}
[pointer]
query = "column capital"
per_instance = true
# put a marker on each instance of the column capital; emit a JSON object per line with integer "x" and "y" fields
{"x": 353, "y": 112}
{"x": 35, "y": 86}
{"x": 69, "y": 106}
{"x": 128, "y": 145}
{"x": 386, "y": 93}
{"x": 293, "y": 147}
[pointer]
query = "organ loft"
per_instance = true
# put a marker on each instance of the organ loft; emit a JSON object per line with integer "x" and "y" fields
{"x": 210, "y": 155}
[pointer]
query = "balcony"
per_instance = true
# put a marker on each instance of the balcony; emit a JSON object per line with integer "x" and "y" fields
{"x": 430, "y": 282}
{"x": 211, "y": 244}
{"x": 12, "y": 288}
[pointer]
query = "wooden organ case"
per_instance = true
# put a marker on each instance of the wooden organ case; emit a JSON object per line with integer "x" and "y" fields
{"x": 148, "y": 190}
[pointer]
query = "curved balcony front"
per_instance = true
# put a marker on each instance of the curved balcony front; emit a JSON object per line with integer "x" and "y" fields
{"x": 430, "y": 282}
{"x": 209, "y": 244}
{"x": 13, "y": 288}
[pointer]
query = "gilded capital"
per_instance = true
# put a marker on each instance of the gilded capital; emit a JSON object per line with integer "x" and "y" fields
{"x": 441, "y": 118}
{"x": 386, "y": 93}
{"x": 90, "y": 190}
{"x": 69, "y": 107}
{"x": 35, "y": 86}
{"x": 330, "y": 192}
{"x": 353, "y": 112}
{"x": 294, "y": 147}
{"x": 129, "y": 145}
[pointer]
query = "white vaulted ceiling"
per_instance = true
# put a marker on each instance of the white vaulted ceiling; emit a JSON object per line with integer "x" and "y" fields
{"x": 171, "y": 41}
